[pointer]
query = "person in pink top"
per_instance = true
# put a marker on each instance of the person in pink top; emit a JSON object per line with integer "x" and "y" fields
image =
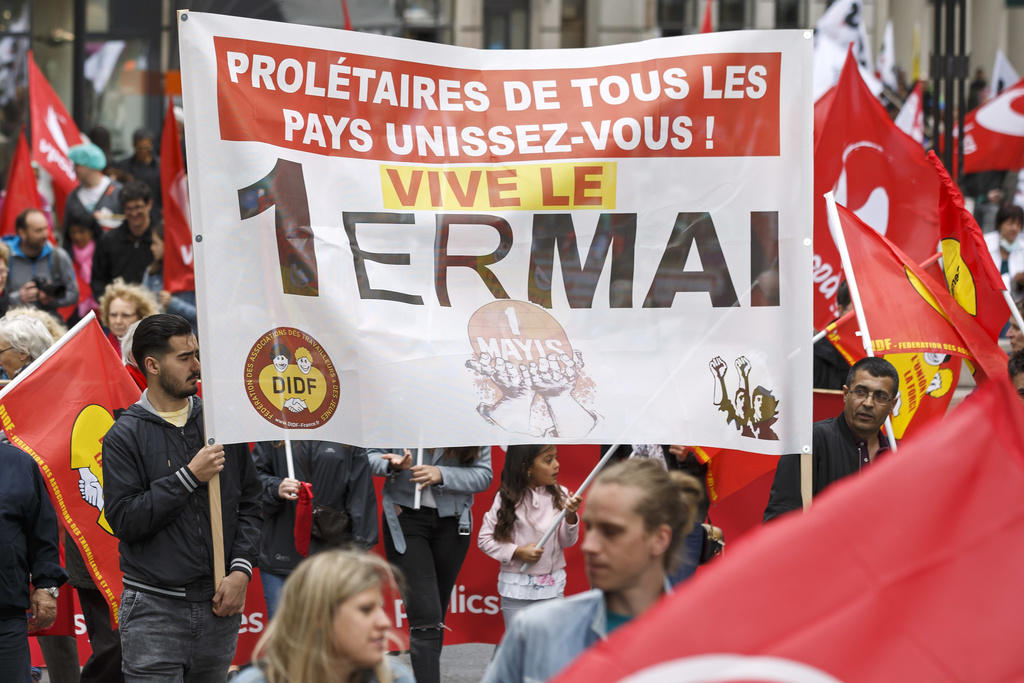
{"x": 80, "y": 239}
{"x": 526, "y": 505}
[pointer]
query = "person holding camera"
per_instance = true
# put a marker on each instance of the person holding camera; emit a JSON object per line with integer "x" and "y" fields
{"x": 42, "y": 275}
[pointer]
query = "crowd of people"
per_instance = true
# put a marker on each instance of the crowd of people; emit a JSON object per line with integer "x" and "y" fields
{"x": 107, "y": 254}
{"x": 324, "y": 588}
{"x": 327, "y": 620}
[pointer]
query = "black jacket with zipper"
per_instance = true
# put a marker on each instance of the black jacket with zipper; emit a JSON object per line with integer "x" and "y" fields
{"x": 160, "y": 511}
{"x": 341, "y": 479}
{"x": 837, "y": 453}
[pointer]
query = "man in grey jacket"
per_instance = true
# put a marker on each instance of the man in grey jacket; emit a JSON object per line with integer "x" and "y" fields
{"x": 41, "y": 274}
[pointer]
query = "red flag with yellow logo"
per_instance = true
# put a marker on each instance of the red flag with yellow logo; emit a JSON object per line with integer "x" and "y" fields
{"x": 905, "y": 309}
{"x": 970, "y": 274}
{"x": 58, "y": 410}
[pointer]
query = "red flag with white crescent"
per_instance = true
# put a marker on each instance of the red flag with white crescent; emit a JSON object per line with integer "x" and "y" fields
{"x": 876, "y": 171}
{"x": 909, "y": 571}
{"x": 994, "y": 133}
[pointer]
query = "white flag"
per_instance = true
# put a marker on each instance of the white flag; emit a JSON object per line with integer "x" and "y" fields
{"x": 839, "y": 29}
{"x": 1003, "y": 75}
{"x": 887, "y": 59}
{"x": 911, "y": 117}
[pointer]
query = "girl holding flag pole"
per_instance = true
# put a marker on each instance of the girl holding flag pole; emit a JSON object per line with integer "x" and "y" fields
{"x": 528, "y": 501}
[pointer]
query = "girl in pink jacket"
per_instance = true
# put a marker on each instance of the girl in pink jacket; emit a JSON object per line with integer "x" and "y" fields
{"x": 526, "y": 504}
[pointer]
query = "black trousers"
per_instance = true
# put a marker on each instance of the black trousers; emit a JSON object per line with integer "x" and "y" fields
{"x": 430, "y": 564}
{"x": 15, "y": 660}
{"x": 104, "y": 664}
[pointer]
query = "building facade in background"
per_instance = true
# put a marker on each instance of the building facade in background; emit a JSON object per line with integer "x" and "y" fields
{"x": 113, "y": 61}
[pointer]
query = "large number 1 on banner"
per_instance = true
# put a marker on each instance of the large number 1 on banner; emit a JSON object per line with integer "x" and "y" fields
{"x": 285, "y": 190}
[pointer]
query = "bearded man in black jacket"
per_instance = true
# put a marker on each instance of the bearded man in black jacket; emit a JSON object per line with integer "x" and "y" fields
{"x": 175, "y": 623}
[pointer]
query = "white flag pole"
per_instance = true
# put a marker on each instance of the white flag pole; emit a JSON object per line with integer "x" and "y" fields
{"x": 1014, "y": 311}
{"x": 417, "y": 492}
{"x": 289, "y": 460}
{"x": 840, "y": 239}
{"x": 579, "y": 492}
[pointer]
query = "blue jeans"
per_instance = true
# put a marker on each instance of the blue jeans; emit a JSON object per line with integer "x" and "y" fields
{"x": 272, "y": 585}
{"x": 167, "y": 639}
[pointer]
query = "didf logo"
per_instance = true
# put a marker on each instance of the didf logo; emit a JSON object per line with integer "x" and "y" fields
{"x": 290, "y": 380}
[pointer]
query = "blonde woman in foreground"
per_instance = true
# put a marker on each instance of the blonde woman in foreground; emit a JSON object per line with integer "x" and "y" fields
{"x": 330, "y": 625}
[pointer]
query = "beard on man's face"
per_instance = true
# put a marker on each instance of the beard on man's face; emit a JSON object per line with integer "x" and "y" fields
{"x": 179, "y": 391}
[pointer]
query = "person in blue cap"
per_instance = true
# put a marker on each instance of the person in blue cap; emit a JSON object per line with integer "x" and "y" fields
{"x": 97, "y": 197}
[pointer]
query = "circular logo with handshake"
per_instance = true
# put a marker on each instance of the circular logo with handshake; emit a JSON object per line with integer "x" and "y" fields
{"x": 290, "y": 380}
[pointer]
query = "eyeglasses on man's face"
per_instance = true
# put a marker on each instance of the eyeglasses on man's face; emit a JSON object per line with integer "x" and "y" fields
{"x": 861, "y": 393}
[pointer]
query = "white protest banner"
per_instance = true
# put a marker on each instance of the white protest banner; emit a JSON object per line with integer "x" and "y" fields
{"x": 406, "y": 244}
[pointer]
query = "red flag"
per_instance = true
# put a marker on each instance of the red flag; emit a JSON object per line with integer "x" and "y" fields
{"x": 907, "y": 572}
{"x": 178, "y": 273}
{"x": 822, "y": 107}
{"x": 877, "y": 171}
{"x": 348, "y": 20}
{"x": 994, "y": 133}
{"x": 705, "y": 26}
{"x": 58, "y": 410}
{"x": 303, "y": 518}
{"x": 21, "y": 188}
{"x": 53, "y": 133}
{"x": 905, "y": 310}
{"x": 970, "y": 275}
{"x": 842, "y": 333}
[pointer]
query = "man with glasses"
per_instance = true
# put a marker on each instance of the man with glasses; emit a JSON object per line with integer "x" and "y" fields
{"x": 125, "y": 251}
{"x": 841, "y": 445}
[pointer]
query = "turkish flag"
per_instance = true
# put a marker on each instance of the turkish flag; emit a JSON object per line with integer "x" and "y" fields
{"x": 969, "y": 273}
{"x": 58, "y": 410}
{"x": 994, "y": 133}
{"x": 53, "y": 133}
{"x": 21, "y": 188}
{"x": 909, "y": 571}
{"x": 905, "y": 309}
{"x": 875, "y": 170}
{"x": 178, "y": 273}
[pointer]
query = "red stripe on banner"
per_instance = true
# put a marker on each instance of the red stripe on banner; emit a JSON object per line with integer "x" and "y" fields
{"x": 361, "y": 106}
